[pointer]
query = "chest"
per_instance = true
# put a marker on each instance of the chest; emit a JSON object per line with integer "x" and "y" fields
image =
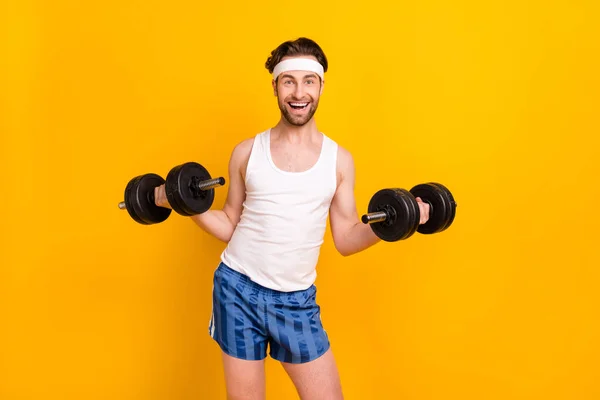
{"x": 298, "y": 158}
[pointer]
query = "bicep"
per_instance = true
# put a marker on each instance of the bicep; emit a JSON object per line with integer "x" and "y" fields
{"x": 236, "y": 192}
{"x": 343, "y": 214}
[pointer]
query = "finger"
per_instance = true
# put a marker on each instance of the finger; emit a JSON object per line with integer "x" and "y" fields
{"x": 156, "y": 196}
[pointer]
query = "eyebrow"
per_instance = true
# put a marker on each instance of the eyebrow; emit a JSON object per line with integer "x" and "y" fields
{"x": 304, "y": 77}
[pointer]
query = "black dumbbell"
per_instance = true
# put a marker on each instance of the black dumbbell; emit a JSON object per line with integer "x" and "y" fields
{"x": 394, "y": 213}
{"x": 189, "y": 189}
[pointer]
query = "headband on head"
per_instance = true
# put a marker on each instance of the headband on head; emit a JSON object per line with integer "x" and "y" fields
{"x": 298, "y": 64}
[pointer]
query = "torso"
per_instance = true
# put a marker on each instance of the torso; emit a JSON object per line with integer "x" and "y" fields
{"x": 295, "y": 157}
{"x": 289, "y": 188}
{"x": 290, "y": 157}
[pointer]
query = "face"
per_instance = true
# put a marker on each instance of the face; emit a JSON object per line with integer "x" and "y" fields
{"x": 298, "y": 94}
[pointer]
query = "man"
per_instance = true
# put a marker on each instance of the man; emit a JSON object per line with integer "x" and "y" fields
{"x": 283, "y": 184}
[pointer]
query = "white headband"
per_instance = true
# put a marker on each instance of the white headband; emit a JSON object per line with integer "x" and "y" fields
{"x": 298, "y": 64}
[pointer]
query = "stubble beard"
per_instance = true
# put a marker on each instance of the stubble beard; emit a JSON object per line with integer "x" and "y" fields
{"x": 297, "y": 120}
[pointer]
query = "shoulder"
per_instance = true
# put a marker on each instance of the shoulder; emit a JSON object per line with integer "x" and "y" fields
{"x": 343, "y": 155}
{"x": 345, "y": 164}
{"x": 243, "y": 148}
{"x": 241, "y": 154}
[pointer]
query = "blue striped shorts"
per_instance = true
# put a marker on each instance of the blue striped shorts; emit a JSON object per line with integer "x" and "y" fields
{"x": 247, "y": 317}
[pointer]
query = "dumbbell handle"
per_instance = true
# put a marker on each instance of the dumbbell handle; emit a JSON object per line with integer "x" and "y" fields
{"x": 211, "y": 183}
{"x": 373, "y": 217}
{"x": 380, "y": 216}
{"x": 202, "y": 185}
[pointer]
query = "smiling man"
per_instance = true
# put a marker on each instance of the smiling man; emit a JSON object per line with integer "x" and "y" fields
{"x": 283, "y": 184}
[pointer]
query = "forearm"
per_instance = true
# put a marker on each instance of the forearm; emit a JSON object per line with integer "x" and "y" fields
{"x": 357, "y": 237}
{"x": 216, "y": 223}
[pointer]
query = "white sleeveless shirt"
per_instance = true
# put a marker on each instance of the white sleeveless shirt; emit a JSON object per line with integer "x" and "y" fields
{"x": 278, "y": 239}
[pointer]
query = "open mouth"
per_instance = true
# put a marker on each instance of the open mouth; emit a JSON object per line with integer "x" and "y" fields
{"x": 298, "y": 105}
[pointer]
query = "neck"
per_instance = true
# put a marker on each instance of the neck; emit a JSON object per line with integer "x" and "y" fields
{"x": 295, "y": 133}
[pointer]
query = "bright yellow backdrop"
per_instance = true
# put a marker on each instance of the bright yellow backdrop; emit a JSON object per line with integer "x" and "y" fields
{"x": 497, "y": 100}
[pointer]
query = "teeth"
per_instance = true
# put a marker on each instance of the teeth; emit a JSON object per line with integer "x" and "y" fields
{"x": 299, "y": 104}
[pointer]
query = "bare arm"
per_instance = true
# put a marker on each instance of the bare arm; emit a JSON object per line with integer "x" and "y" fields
{"x": 222, "y": 223}
{"x": 350, "y": 235}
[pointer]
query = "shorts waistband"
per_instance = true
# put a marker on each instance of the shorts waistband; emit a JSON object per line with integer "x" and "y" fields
{"x": 249, "y": 283}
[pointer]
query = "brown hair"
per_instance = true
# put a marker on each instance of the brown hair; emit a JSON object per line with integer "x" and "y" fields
{"x": 298, "y": 47}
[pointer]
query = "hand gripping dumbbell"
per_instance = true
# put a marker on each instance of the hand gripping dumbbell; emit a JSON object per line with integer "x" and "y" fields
{"x": 189, "y": 188}
{"x": 394, "y": 213}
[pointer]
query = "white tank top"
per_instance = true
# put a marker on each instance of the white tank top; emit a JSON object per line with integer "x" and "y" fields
{"x": 278, "y": 238}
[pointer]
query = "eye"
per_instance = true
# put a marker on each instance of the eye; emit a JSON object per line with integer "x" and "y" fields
{"x": 310, "y": 82}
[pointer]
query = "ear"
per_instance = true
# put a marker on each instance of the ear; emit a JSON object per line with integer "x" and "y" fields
{"x": 274, "y": 84}
{"x": 322, "y": 86}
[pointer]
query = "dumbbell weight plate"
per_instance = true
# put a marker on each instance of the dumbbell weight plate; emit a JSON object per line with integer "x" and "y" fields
{"x": 443, "y": 206}
{"x": 451, "y": 202}
{"x": 404, "y": 216}
{"x": 172, "y": 192}
{"x": 181, "y": 193}
{"x": 139, "y": 200}
{"x": 129, "y": 200}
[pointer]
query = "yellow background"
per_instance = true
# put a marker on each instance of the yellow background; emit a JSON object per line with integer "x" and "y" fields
{"x": 497, "y": 100}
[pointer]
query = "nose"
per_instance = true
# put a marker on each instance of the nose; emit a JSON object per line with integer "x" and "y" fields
{"x": 299, "y": 92}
